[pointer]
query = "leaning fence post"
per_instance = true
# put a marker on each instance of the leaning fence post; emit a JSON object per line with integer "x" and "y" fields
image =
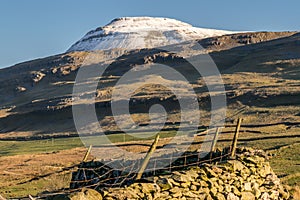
{"x": 147, "y": 158}
{"x": 235, "y": 138}
{"x": 77, "y": 176}
{"x": 87, "y": 154}
{"x": 212, "y": 149}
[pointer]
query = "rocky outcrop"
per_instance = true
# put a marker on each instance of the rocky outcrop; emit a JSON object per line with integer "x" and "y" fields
{"x": 21, "y": 89}
{"x": 37, "y": 76}
{"x": 240, "y": 39}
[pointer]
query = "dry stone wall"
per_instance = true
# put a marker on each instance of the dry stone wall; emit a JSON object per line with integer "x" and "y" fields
{"x": 247, "y": 177}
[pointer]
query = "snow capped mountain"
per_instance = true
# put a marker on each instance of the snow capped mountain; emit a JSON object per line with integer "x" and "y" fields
{"x": 141, "y": 32}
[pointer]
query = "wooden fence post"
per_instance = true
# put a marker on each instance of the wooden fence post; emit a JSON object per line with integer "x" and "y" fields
{"x": 87, "y": 154}
{"x": 147, "y": 158}
{"x": 77, "y": 176}
{"x": 235, "y": 137}
{"x": 213, "y": 146}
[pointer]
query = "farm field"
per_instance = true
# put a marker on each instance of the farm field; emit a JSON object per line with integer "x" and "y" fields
{"x": 35, "y": 167}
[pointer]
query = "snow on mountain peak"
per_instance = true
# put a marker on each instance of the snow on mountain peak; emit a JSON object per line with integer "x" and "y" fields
{"x": 141, "y": 32}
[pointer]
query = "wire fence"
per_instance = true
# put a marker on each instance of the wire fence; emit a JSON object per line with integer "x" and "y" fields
{"x": 96, "y": 174}
{"x": 99, "y": 174}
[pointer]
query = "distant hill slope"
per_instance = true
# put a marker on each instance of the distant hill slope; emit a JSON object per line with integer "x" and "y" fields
{"x": 260, "y": 70}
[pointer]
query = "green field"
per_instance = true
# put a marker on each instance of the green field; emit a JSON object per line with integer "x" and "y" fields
{"x": 9, "y": 148}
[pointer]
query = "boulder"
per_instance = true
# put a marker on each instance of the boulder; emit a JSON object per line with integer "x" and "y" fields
{"x": 247, "y": 196}
{"x": 86, "y": 194}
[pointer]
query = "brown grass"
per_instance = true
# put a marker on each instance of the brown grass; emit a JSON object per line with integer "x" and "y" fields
{"x": 17, "y": 172}
{"x": 296, "y": 193}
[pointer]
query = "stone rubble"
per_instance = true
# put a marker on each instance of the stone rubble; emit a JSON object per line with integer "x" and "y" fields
{"x": 248, "y": 177}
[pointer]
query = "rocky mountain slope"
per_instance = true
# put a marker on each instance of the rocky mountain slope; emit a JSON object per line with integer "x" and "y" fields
{"x": 260, "y": 71}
